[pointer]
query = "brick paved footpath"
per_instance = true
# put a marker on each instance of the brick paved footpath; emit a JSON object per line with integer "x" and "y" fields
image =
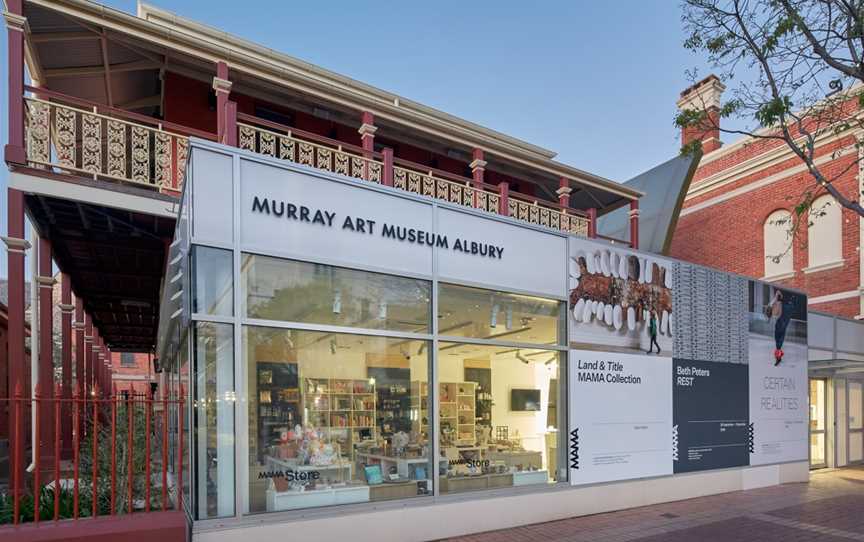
{"x": 830, "y": 508}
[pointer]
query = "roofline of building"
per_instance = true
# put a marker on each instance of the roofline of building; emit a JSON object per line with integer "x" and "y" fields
{"x": 200, "y": 41}
{"x": 745, "y": 140}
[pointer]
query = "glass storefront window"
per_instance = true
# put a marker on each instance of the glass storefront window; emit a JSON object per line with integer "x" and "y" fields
{"x": 186, "y": 414}
{"x": 213, "y": 288}
{"x": 335, "y": 418}
{"x": 499, "y": 412}
{"x": 487, "y": 314}
{"x": 291, "y": 291}
{"x": 213, "y": 414}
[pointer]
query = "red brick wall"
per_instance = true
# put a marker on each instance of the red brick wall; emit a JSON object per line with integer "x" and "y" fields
{"x": 843, "y": 307}
{"x": 728, "y": 235}
{"x": 132, "y": 378}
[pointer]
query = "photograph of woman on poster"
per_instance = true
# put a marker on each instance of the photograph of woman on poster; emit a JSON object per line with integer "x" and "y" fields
{"x": 780, "y": 310}
{"x": 779, "y": 316}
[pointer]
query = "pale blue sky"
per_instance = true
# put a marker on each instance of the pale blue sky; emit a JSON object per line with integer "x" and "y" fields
{"x": 594, "y": 81}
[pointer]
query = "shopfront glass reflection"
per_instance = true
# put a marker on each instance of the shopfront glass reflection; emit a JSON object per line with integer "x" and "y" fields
{"x": 499, "y": 416}
{"x": 335, "y": 418}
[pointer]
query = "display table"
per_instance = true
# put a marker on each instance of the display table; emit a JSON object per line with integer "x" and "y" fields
{"x": 515, "y": 459}
{"x": 341, "y": 471}
{"x": 293, "y": 499}
{"x": 403, "y": 465}
{"x": 457, "y": 484}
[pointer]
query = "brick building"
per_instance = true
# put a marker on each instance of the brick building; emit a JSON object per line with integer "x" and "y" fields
{"x": 735, "y": 214}
{"x": 132, "y": 371}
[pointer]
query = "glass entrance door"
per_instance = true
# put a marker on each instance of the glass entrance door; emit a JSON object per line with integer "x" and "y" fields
{"x": 817, "y": 423}
{"x": 856, "y": 422}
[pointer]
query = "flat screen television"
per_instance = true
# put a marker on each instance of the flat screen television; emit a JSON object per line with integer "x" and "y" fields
{"x": 522, "y": 400}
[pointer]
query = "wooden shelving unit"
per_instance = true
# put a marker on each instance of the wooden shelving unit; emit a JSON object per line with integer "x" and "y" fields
{"x": 457, "y": 411}
{"x": 340, "y": 408}
{"x": 278, "y": 402}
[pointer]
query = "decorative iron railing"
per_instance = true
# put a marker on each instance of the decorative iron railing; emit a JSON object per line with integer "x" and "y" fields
{"x": 428, "y": 184}
{"x": 68, "y": 134}
{"x": 126, "y": 455}
{"x": 342, "y": 159}
{"x": 273, "y": 139}
{"x": 65, "y": 138}
{"x": 557, "y": 219}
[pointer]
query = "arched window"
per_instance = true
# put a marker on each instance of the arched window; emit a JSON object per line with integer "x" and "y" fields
{"x": 778, "y": 243}
{"x": 824, "y": 234}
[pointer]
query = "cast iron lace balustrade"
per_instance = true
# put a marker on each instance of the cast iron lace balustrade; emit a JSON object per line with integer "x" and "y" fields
{"x": 318, "y": 152}
{"x": 333, "y": 158}
{"x": 62, "y": 138}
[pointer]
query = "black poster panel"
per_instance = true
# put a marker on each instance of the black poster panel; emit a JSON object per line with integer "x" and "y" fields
{"x": 710, "y": 420}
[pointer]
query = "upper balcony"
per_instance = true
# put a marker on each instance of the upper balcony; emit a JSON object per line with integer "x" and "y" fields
{"x": 115, "y": 97}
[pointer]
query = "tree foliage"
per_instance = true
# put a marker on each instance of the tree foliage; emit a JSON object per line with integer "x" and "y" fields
{"x": 794, "y": 70}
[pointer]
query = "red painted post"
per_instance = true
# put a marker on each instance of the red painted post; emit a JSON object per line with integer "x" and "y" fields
{"x": 15, "y": 23}
{"x": 164, "y": 448}
{"x": 478, "y": 167}
{"x": 113, "y": 447}
{"x": 37, "y": 457}
{"x": 58, "y": 399}
{"x": 504, "y": 200}
{"x": 46, "y": 343}
{"x": 222, "y": 87}
{"x": 634, "y": 224}
{"x": 79, "y": 347}
{"x": 95, "y": 477}
{"x": 564, "y": 191}
{"x": 66, "y": 308}
{"x": 367, "y": 133}
{"x": 148, "y": 412}
{"x": 17, "y": 468}
{"x": 231, "y": 123}
{"x": 16, "y": 246}
{"x": 387, "y": 177}
{"x": 94, "y": 360}
{"x": 88, "y": 355}
{"x": 99, "y": 362}
{"x": 130, "y": 408}
{"x": 97, "y": 370}
{"x": 179, "y": 502}
{"x": 76, "y": 446}
{"x": 367, "y": 138}
{"x": 592, "y": 222}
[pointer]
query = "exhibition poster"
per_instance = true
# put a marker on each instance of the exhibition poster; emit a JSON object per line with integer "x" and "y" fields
{"x": 778, "y": 374}
{"x": 621, "y": 407}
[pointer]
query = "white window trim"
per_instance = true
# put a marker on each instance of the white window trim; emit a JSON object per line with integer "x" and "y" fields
{"x": 779, "y": 276}
{"x": 832, "y": 297}
{"x": 824, "y": 266}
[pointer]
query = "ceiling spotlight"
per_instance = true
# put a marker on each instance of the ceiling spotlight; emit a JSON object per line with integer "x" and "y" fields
{"x": 493, "y": 319}
{"x": 522, "y": 358}
{"x": 508, "y": 318}
{"x": 333, "y": 346}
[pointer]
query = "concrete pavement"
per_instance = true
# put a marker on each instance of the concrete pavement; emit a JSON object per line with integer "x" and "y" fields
{"x": 830, "y": 508}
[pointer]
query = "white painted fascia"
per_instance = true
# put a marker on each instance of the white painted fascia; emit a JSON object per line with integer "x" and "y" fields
{"x": 33, "y": 184}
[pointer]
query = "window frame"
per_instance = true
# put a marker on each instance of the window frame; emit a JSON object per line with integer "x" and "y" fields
{"x": 823, "y": 231}
{"x": 786, "y": 267}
